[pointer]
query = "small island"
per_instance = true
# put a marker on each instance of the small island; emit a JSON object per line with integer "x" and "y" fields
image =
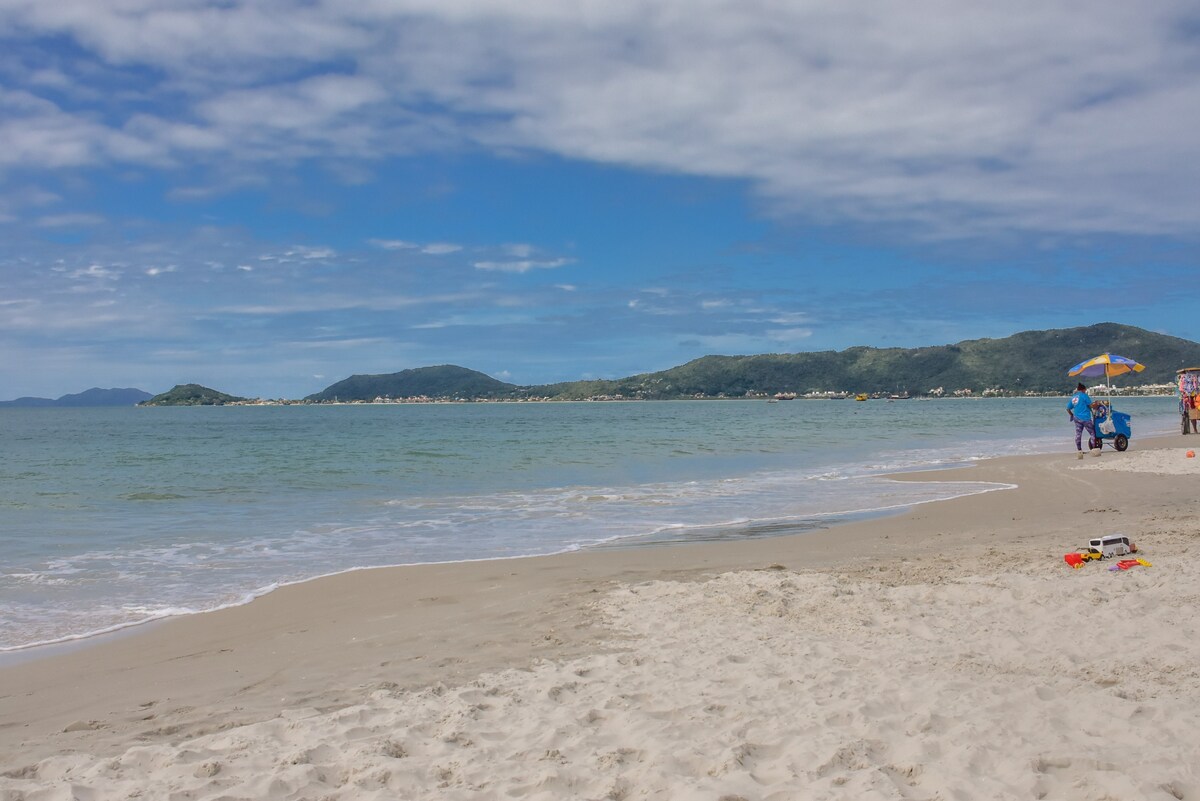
{"x": 191, "y": 395}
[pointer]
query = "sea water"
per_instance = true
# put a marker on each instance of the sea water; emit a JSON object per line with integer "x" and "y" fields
{"x": 112, "y": 517}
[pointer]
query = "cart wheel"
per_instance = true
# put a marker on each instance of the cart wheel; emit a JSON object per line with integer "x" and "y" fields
{"x": 1120, "y": 442}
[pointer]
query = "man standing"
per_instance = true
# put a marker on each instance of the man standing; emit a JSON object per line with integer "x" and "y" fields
{"x": 1079, "y": 407}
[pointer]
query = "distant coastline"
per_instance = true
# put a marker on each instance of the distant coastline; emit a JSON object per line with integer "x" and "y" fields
{"x": 1028, "y": 364}
{"x": 1141, "y": 392}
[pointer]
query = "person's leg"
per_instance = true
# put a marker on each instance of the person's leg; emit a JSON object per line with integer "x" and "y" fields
{"x": 1093, "y": 444}
{"x": 1079, "y": 425}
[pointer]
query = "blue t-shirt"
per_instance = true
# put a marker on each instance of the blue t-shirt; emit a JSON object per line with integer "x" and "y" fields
{"x": 1080, "y": 405}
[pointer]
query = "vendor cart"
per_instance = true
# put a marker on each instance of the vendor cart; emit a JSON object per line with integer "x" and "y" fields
{"x": 1188, "y": 389}
{"x": 1111, "y": 425}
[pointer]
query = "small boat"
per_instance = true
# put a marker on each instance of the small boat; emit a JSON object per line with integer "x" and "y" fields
{"x": 861, "y": 396}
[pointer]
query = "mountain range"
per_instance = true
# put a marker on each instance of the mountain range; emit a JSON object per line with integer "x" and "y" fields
{"x": 92, "y": 397}
{"x": 1031, "y": 361}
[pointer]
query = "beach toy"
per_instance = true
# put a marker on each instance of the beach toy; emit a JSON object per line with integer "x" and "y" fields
{"x": 1191, "y": 454}
{"x": 1074, "y": 560}
{"x": 1125, "y": 564}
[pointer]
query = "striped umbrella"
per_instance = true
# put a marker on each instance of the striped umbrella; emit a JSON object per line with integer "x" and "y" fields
{"x": 1107, "y": 365}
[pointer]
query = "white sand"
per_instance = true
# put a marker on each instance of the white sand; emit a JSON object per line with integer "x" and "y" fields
{"x": 948, "y": 653}
{"x": 1164, "y": 461}
{"x": 1031, "y": 681}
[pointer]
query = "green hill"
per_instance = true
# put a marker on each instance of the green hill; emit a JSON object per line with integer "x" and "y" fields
{"x": 1033, "y": 361}
{"x": 442, "y": 381}
{"x": 89, "y": 397}
{"x": 1029, "y": 361}
{"x": 191, "y": 395}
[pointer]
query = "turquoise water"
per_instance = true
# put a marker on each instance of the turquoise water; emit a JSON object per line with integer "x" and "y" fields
{"x": 109, "y": 517}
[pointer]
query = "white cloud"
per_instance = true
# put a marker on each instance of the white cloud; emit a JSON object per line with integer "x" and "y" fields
{"x": 1033, "y": 115}
{"x": 97, "y": 271}
{"x": 521, "y": 266}
{"x": 170, "y": 268}
{"x": 298, "y": 254}
{"x": 789, "y": 318}
{"x": 429, "y": 248}
{"x": 440, "y": 248}
{"x": 311, "y": 252}
{"x": 304, "y": 108}
{"x": 789, "y": 334}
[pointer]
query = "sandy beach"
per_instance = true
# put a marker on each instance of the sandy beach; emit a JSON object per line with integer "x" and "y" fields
{"x": 947, "y": 652}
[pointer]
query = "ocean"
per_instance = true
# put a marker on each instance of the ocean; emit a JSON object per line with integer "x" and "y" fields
{"x": 110, "y": 517}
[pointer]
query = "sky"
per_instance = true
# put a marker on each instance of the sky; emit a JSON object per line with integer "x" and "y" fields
{"x": 266, "y": 197}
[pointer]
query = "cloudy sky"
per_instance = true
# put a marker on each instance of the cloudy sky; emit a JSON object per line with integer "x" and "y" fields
{"x": 268, "y": 196}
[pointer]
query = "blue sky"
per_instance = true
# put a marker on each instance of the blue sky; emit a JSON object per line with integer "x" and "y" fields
{"x": 267, "y": 197}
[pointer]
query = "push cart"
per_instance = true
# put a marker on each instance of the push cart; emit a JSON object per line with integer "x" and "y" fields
{"x": 1111, "y": 425}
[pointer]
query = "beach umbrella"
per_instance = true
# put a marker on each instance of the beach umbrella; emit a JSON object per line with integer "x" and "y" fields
{"x": 1107, "y": 365}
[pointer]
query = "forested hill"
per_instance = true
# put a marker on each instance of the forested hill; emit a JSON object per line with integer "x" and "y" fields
{"x": 191, "y": 395}
{"x": 89, "y": 397}
{"x": 1034, "y": 361}
{"x": 445, "y": 381}
{"x": 1029, "y": 361}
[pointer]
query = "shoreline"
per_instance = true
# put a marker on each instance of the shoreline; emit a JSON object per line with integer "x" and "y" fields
{"x": 809, "y": 522}
{"x": 332, "y": 641}
{"x": 11, "y": 655}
